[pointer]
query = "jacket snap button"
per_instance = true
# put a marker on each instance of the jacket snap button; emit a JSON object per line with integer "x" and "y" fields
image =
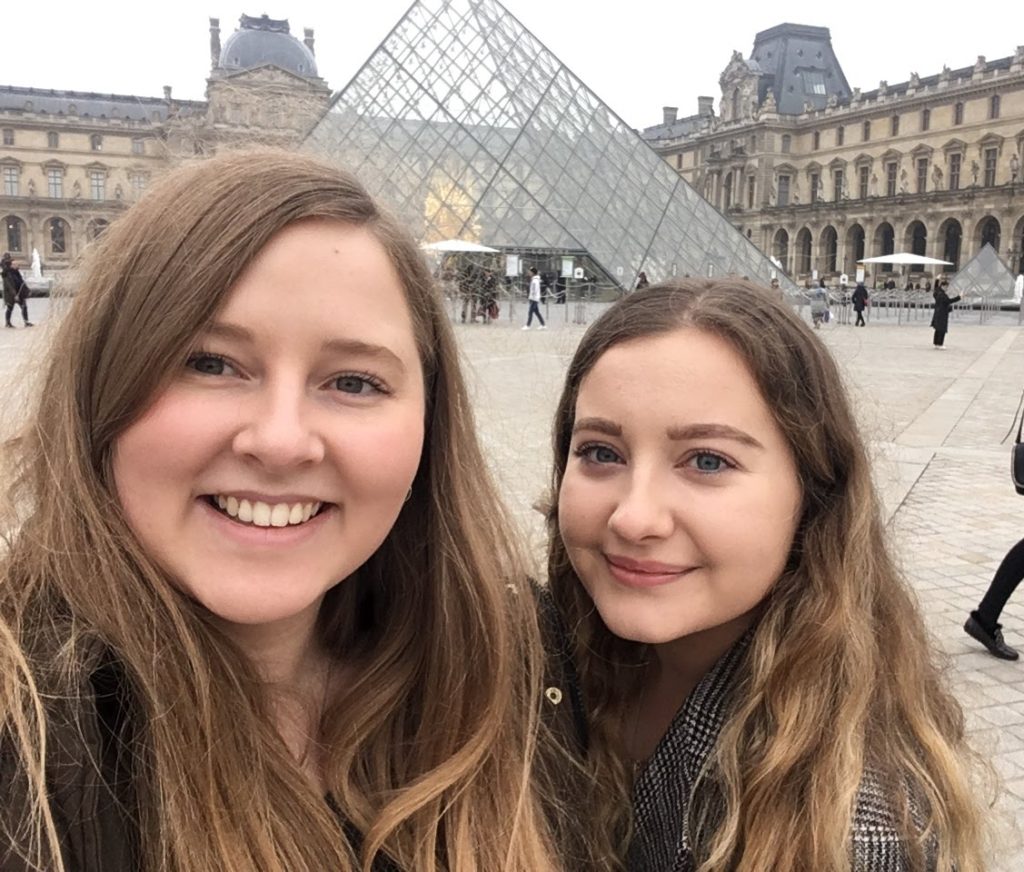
{"x": 554, "y": 695}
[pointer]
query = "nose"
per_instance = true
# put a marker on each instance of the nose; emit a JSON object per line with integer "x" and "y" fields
{"x": 279, "y": 429}
{"x": 644, "y": 509}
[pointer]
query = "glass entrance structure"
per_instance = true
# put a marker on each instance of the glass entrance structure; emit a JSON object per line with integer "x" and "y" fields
{"x": 469, "y": 128}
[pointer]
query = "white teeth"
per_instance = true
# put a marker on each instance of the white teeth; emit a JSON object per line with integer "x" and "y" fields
{"x": 262, "y": 514}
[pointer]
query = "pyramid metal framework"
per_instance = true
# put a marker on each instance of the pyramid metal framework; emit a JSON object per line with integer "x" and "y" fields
{"x": 984, "y": 275}
{"x": 467, "y": 127}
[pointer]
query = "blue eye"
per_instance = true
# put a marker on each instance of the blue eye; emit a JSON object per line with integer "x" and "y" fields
{"x": 208, "y": 364}
{"x": 600, "y": 454}
{"x": 352, "y": 383}
{"x": 707, "y": 462}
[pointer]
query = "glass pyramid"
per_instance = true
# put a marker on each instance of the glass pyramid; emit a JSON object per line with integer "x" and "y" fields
{"x": 984, "y": 275}
{"x": 468, "y": 128}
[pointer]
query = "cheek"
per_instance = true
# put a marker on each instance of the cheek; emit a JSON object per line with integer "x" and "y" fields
{"x": 385, "y": 457}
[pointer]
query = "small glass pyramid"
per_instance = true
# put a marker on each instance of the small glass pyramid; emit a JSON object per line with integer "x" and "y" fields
{"x": 984, "y": 275}
{"x": 467, "y": 127}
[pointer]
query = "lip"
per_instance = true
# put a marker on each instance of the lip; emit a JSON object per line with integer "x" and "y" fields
{"x": 643, "y": 573}
{"x": 270, "y": 499}
{"x": 251, "y": 536}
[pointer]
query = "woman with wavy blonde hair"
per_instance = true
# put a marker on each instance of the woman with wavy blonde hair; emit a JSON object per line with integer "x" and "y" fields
{"x": 756, "y": 673}
{"x": 254, "y": 613}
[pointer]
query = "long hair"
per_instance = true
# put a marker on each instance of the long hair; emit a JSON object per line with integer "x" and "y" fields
{"x": 841, "y": 679}
{"x": 428, "y": 751}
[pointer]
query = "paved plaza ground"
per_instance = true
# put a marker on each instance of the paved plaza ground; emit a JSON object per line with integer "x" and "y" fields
{"x": 935, "y": 421}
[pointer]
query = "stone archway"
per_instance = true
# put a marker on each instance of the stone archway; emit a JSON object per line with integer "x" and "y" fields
{"x": 915, "y": 239}
{"x": 951, "y": 233}
{"x": 828, "y": 248}
{"x": 885, "y": 243}
{"x": 804, "y": 252}
{"x": 987, "y": 232}
{"x": 855, "y": 248}
{"x": 780, "y": 248}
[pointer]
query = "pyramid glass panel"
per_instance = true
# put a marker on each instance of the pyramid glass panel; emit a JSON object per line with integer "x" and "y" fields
{"x": 984, "y": 275}
{"x": 467, "y": 126}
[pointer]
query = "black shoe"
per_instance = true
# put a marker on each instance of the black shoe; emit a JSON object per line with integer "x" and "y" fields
{"x": 29, "y": 324}
{"x": 993, "y": 641}
{"x": 9, "y": 324}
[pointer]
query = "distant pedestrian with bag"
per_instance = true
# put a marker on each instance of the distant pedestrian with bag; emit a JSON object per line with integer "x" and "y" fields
{"x": 860, "y": 301}
{"x": 819, "y": 305}
{"x": 534, "y": 300}
{"x": 15, "y": 290}
{"x": 940, "y": 318}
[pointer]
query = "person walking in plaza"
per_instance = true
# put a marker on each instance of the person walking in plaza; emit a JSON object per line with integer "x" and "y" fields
{"x": 819, "y": 305}
{"x": 641, "y": 281}
{"x": 940, "y": 317}
{"x": 534, "y": 300}
{"x": 983, "y": 623}
{"x": 15, "y": 290}
{"x": 860, "y": 300}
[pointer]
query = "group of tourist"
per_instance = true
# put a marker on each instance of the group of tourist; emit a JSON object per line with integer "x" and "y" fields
{"x": 261, "y": 609}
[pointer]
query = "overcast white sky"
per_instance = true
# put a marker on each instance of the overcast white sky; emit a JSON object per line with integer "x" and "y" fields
{"x": 637, "y": 55}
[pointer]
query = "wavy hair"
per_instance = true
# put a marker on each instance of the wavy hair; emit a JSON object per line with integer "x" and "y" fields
{"x": 428, "y": 752}
{"x": 841, "y": 676}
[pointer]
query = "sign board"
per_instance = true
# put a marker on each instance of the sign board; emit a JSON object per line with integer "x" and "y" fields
{"x": 567, "y": 263}
{"x": 512, "y": 265}
{"x": 577, "y": 273}
{"x": 860, "y": 274}
{"x": 844, "y": 279}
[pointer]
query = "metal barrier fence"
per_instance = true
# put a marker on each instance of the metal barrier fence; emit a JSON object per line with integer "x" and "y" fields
{"x": 911, "y": 307}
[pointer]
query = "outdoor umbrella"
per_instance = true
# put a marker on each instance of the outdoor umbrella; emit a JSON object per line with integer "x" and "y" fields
{"x": 905, "y": 258}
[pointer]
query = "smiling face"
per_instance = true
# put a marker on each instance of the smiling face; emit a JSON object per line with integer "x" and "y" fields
{"x": 680, "y": 497}
{"x": 277, "y": 460}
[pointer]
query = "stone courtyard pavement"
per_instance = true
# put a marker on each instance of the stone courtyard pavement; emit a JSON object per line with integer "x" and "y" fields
{"x": 934, "y": 420}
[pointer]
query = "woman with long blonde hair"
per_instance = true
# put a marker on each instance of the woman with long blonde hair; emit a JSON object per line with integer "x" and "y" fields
{"x": 254, "y": 606}
{"x": 760, "y": 688}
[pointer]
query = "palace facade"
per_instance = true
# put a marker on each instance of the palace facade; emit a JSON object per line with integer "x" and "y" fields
{"x": 820, "y": 175}
{"x": 71, "y": 161}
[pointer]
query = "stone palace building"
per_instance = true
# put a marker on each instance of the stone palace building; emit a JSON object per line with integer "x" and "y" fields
{"x": 819, "y": 175}
{"x": 70, "y": 161}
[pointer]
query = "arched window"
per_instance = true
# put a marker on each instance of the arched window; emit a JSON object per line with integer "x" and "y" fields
{"x": 952, "y": 233}
{"x": 14, "y": 233}
{"x": 989, "y": 233}
{"x": 58, "y": 236}
{"x": 803, "y": 248}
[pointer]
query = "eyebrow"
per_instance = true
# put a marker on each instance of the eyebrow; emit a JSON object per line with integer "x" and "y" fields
{"x": 676, "y": 434}
{"x": 226, "y": 330}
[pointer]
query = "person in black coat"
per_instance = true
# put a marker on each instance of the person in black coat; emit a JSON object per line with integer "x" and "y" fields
{"x": 940, "y": 318}
{"x": 860, "y": 300}
{"x": 15, "y": 290}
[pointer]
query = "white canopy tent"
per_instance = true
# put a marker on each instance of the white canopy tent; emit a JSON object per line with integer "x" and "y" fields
{"x": 905, "y": 258}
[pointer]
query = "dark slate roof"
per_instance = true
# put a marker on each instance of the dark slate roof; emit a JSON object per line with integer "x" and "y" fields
{"x": 262, "y": 41}
{"x": 799, "y": 67}
{"x": 86, "y": 103}
{"x": 963, "y": 74}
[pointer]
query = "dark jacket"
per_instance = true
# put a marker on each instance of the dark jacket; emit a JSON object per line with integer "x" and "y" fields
{"x": 15, "y": 289}
{"x": 90, "y": 783}
{"x": 664, "y": 787}
{"x": 859, "y": 298}
{"x": 943, "y": 303}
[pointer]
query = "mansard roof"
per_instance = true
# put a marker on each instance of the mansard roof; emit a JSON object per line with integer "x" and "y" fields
{"x": 799, "y": 67}
{"x": 85, "y": 104}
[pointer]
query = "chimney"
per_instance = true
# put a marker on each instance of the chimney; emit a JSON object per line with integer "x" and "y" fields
{"x": 309, "y": 40}
{"x": 214, "y": 43}
{"x": 669, "y": 114}
{"x": 167, "y": 93}
{"x": 705, "y": 106}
